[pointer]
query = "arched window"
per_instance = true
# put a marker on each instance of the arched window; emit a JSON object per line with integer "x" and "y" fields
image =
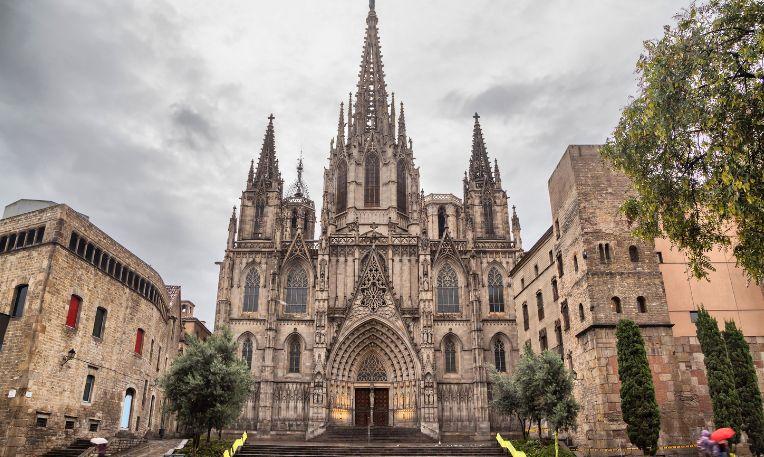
{"x": 495, "y": 291}
{"x": 19, "y": 300}
{"x": 342, "y": 186}
{"x": 401, "y": 186}
{"x": 526, "y": 321}
{"x": 555, "y": 292}
{"x": 87, "y": 394}
{"x": 615, "y": 303}
{"x": 294, "y": 221}
{"x": 371, "y": 181}
{"x": 73, "y": 313}
{"x": 633, "y": 253}
{"x": 448, "y": 290}
{"x": 641, "y": 304}
{"x": 251, "y": 291}
{"x": 488, "y": 216}
{"x": 450, "y": 355}
{"x": 151, "y": 410}
{"x": 565, "y": 315}
{"x": 246, "y": 352}
{"x": 294, "y": 356}
{"x": 127, "y": 410}
{"x": 441, "y": 221}
{"x": 581, "y": 315}
{"x": 297, "y": 291}
{"x": 499, "y": 356}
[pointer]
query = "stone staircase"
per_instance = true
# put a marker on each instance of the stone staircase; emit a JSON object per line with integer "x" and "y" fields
{"x": 73, "y": 450}
{"x": 354, "y": 441}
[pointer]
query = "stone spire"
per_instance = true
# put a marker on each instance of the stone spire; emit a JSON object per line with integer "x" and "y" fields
{"x": 402, "y": 127}
{"x": 251, "y": 175}
{"x": 232, "y": 229}
{"x": 350, "y": 115}
{"x": 371, "y": 100}
{"x": 496, "y": 175}
{"x": 267, "y": 165}
{"x": 392, "y": 114}
{"x": 299, "y": 188}
{"x": 480, "y": 167}
{"x": 516, "y": 229}
{"x": 341, "y": 127}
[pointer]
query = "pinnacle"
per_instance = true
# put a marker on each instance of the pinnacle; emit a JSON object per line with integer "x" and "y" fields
{"x": 480, "y": 167}
{"x": 267, "y": 164}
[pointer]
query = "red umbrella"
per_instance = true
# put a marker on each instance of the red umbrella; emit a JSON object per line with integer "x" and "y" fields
{"x": 722, "y": 434}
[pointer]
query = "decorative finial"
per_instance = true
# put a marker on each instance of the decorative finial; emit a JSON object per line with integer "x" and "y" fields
{"x": 476, "y": 116}
{"x": 371, "y": 5}
{"x": 271, "y": 118}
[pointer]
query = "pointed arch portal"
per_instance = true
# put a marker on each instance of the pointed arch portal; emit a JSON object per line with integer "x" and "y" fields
{"x": 373, "y": 367}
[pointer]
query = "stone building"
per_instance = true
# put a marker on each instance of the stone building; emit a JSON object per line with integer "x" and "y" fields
{"x": 86, "y": 329}
{"x": 587, "y": 272}
{"x": 391, "y": 314}
{"x": 191, "y": 325}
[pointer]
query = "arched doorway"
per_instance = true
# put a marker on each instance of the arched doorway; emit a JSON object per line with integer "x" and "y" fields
{"x": 372, "y": 378}
{"x": 127, "y": 409}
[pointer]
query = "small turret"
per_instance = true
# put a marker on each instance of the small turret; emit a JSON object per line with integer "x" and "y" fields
{"x": 496, "y": 175}
{"x": 232, "y": 229}
{"x": 402, "y": 127}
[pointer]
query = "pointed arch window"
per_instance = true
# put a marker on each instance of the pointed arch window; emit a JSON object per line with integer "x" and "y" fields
{"x": 294, "y": 355}
{"x": 259, "y": 213}
{"x": 246, "y": 352}
{"x": 499, "y": 356}
{"x": 371, "y": 181}
{"x": 251, "y": 291}
{"x": 294, "y": 221}
{"x": 488, "y": 216}
{"x": 450, "y": 355}
{"x": 615, "y": 304}
{"x": 448, "y": 290}
{"x": 401, "y": 186}
{"x": 342, "y": 186}
{"x": 297, "y": 291}
{"x": 495, "y": 291}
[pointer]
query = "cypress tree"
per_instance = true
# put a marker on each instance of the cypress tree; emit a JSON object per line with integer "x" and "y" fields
{"x": 638, "y": 405}
{"x": 721, "y": 382}
{"x": 747, "y": 385}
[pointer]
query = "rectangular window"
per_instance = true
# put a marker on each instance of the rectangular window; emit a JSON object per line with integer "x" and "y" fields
{"x": 659, "y": 255}
{"x": 22, "y": 239}
{"x": 69, "y": 423}
{"x": 542, "y": 340}
{"x": 139, "y": 341}
{"x": 39, "y": 235}
{"x": 12, "y": 241}
{"x": 3, "y": 243}
{"x": 74, "y": 311}
{"x": 159, "y": 356}
{"x": 93, "y": 427}
{"x": 87, "y": 395}
{"x": 540, "y": 305}
{"x": 560, "y": 270}
{"x": 19, "y": 300}
{"x": 565, "y": 315}
{"x": 526, "y": 322}
{"x": 4, "y": 319}
{"x": 42, "y": 420}
{"x": 100, "y": 322}
{"x": 693, "y": 316}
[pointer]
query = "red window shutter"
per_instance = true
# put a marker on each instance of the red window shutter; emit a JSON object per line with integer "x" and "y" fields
{"x": 139, "y": 341}
{"x": 74, "y": 309}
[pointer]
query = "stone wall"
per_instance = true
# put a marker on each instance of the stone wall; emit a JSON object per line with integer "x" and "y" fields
{"x": 49, "y": 388}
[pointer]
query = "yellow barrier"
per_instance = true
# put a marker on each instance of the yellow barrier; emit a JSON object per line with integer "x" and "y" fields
{"x": 236, "y": 446}
{"x": 508, "y": 446}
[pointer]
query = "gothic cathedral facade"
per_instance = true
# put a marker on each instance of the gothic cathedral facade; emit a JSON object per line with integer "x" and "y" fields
{"x": 393, "y": 313}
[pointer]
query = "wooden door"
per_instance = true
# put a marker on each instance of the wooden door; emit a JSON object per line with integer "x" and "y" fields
{"x": 362, "y": 407}
{"x": 380, "y": 406}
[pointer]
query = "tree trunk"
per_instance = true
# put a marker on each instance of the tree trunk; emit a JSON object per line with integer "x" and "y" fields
{"x": 220, "y": 434}
{"x": 209, "y": 432}
{"x": 539, "y": 424}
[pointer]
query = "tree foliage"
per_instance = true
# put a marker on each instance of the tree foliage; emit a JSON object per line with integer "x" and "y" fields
{"x": 721, "y": 382}
{"x": 541, "y": 388}
{"x": 208, "y": 384}
{"x": 747, "y": 385}
{"x": 638, "y": 405}
{"x": 692, "y": 141}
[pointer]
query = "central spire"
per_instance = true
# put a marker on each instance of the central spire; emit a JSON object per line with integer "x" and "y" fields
{"x": 371, "y": 113}
{"x": 480, "y": 167}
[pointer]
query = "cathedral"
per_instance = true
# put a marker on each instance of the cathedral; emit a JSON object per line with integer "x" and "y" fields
{"x": 395, "y": 310}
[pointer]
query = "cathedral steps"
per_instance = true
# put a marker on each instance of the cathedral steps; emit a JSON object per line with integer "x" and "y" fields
{"x": 401, "y": 450}
{"x": 374, "y": 434}
{"x": 73, "y": 450}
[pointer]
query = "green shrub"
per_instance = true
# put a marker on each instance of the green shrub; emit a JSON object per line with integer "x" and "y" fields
{"x": 214, "y": 448}
{"x": 534, "y": 448}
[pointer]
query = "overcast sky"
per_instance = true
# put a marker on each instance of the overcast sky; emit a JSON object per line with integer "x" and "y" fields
{"x": 144, "y": 115}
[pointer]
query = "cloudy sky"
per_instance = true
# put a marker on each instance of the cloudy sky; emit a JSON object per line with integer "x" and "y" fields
{"x": 145, "y": 114}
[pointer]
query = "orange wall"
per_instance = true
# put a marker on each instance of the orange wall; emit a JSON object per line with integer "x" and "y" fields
{"x": 726, "y": 294}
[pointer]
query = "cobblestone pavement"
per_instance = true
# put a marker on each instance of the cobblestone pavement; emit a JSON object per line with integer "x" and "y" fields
{"x": 153, "y": 448}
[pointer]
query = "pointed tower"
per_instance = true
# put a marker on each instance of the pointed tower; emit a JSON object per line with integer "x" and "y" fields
{"x": 261, "y": 199}
{"x": 371, "y": 176}
{"x": 485, "y": 202}
{"x": 298, "y": 211}
{"x": 371, "y": 113}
